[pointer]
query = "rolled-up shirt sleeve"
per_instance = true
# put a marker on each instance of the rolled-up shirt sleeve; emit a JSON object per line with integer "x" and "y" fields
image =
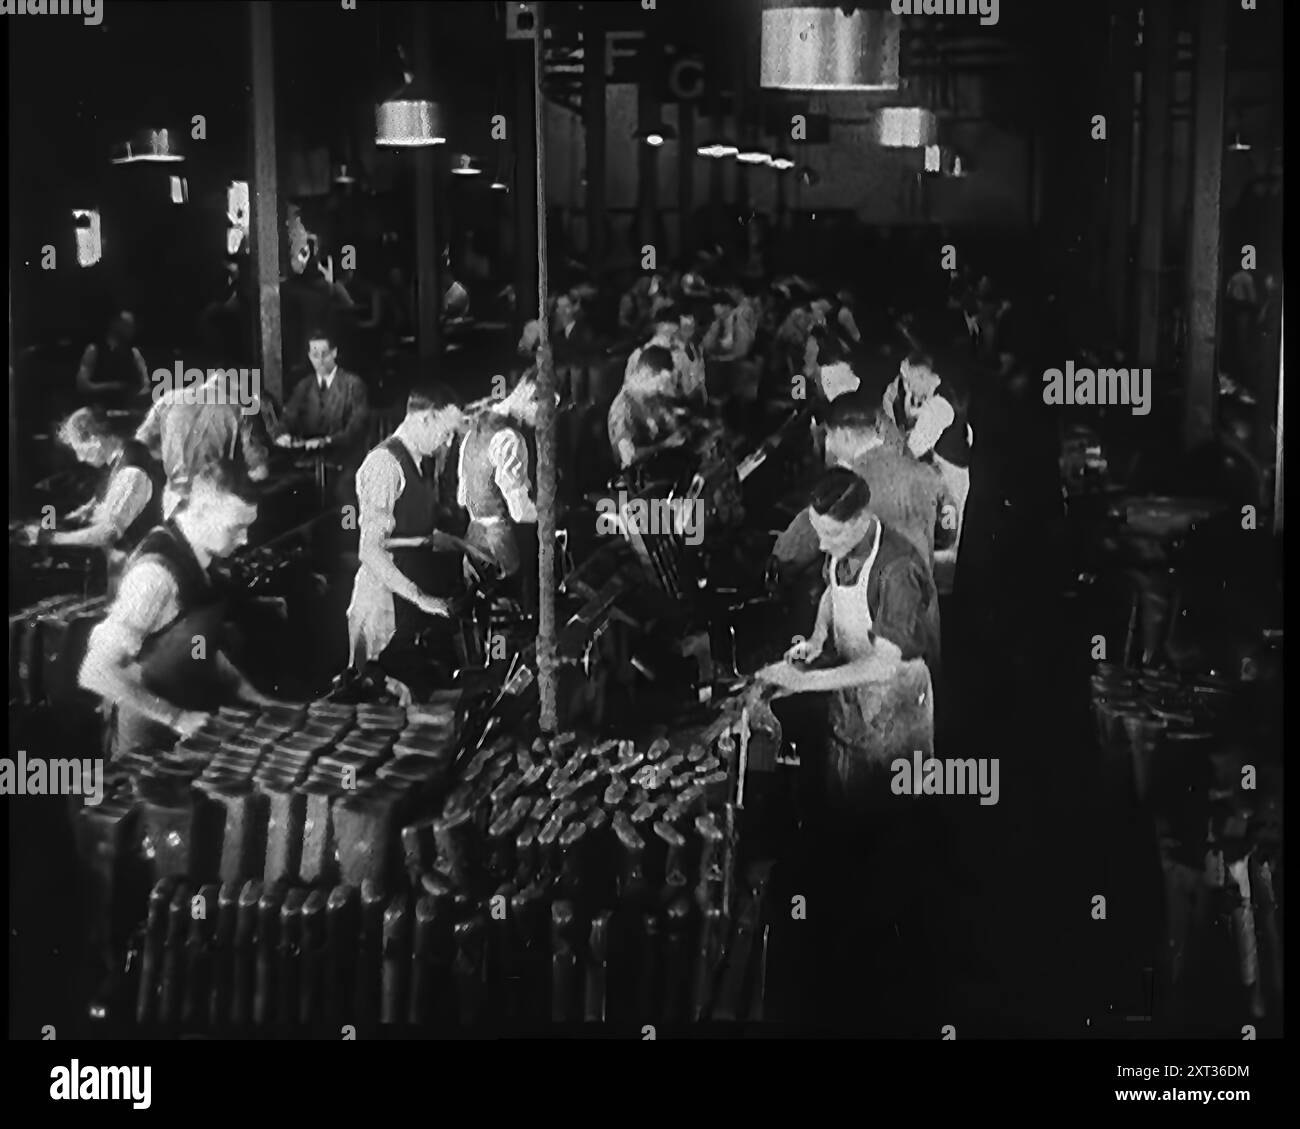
{"x": 380, "y": 483}
{"x": 510, "y": 458}
{"x": 146, "y": 603}
{"x": 128, "y": 494}
{"x": 932, "y": 421}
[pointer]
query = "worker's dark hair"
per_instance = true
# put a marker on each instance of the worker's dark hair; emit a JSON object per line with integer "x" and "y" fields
{"x": 655, "y": 359}
{"x": 667, "y": 313}
{"x": 323, "y": 333}
{"x": 854, "y": 411}
{"x": 721, "y": 297}
{"x": 831, "y": 350}
{"x": 430, "y": 396}
{"x": 841, "y": 495}
{"x": 920, "y": 358}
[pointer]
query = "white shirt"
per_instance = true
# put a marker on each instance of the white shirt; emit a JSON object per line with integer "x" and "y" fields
{"x": 147, "y": 601}
{"x": 328, "y": 381}
{"x": 508, "y": 454}
{"x": 838, "y": 379}
{"x": 129, "y": 491}
{"x": 933, "y": 419}
{"x": 372, "y": 618}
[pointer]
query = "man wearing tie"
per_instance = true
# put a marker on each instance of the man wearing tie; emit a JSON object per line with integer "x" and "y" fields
{"x": 327, "y": 410}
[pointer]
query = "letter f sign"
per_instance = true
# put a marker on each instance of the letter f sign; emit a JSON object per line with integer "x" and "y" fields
{"x": 613, "y": 50}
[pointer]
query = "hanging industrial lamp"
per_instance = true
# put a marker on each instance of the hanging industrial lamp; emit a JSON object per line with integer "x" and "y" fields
{"x": 656, "y": 134}
{"x": 148, "y": 146}
{"x": 410, "y": 119}
{"x": 905, "y": 127}
{"x": 465, "y": 164}
{"x": 717, "y": 150}
{"x": 811, "y": 47}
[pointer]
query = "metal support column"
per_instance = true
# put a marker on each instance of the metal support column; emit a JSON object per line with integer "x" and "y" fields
{"x": 1203, "y": 275}
{"x": 428, "y": 252}
{"x": 1119, "y": 166}
{"x": 1157, "y": 82}
{"x": 593, "y": 120}
{"x": 265, "y": 197}
{"x": 546, "y": 579}
{"x": 525, "y": 188}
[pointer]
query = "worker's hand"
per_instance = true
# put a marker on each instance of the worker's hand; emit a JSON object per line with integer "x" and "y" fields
{"x": 284, "y": 440}
{"x": 314, "y": 444}
{"x": 258, "y": 473}
{"x": 805, "y": 651}
{"x": 783, "y": 676}
{"x": 432, "y": 605}
{"x": 189, "y": 722}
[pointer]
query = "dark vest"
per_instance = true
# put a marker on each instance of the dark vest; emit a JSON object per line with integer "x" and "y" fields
{"x": 415, "y": 515}
{"x": 173, "y": 664}
{"x": 115, "y": 366}
{"x": 136, "y": 455}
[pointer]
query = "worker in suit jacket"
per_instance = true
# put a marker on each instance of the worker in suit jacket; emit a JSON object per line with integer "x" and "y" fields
{"x": 328, "y": 410}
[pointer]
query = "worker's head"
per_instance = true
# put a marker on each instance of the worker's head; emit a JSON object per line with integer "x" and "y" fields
{"x": 694, "y": 314}
{"x": 667, "y": 322}
{"x": 919, "y": 376}
{"x": 840, "y": 510}
{"x": 121, "y": 330}
{"x": 723, "y": 302}
{"x": 322, "y": 351}
{"x": 432, "y": 417}
{"x": 852, "y": 426}
{"x": 219, "y": 511}
{"x": 653, "y": 372}
{"x": 566, "y": 309}
{"x": 87, "y": 433}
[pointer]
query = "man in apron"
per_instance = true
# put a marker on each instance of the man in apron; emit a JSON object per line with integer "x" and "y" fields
{"x": 875, "y": 624}
{"x": 158, "y": 657}
{"x": 877, "y": 618}
{"x": 401, "y": 587}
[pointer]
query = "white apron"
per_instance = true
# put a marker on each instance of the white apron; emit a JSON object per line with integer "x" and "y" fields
{"x": 872, "y": 724}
